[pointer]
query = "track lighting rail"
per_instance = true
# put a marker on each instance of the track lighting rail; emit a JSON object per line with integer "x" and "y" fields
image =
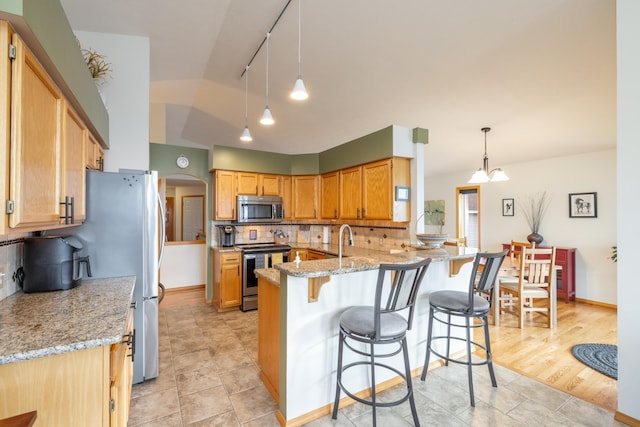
{"x": 244, "y": 70}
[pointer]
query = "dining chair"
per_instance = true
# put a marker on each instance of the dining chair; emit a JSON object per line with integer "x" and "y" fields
{"x": 363, "y": 328}
{"x": 535, "y": 274}
{"x": 447, "y": 307}
{"x": 515, "y": 253}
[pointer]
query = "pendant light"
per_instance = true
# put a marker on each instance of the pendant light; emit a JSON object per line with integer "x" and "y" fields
{"x": 483, "y": 174}
{"x": 267, "y": 118}
{"x": 299, "y": 92}
{"x": 246, "y": 135}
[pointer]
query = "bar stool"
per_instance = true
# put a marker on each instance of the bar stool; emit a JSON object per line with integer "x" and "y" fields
{"x": 470, "y": 306}
{"x": 382, "y": 324}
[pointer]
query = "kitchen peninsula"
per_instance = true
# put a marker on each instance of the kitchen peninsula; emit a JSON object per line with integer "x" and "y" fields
{"x": 299, "y": 310}
{"x": 65, "y": 354}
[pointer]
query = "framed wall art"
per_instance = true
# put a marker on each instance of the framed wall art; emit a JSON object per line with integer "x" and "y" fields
{"x": 583, "y": 205}
{"x": 508, "y": 207}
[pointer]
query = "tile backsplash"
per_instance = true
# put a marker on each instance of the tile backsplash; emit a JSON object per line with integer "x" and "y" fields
{"x": 378, "y": 238}
{"x": 10, "y": 261}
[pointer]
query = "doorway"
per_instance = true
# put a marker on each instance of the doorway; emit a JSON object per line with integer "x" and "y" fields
{"x": 468, "y": 215}
{"x": 184, "y": 263}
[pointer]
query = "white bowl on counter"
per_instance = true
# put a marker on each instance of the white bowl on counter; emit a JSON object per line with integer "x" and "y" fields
{"x": 434, "y": 240}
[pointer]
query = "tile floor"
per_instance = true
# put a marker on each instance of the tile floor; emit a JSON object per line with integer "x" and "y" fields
{"x": 209, "y": 377}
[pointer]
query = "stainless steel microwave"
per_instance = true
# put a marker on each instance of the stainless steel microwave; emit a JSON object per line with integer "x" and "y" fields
{"x": 259, "y": 209}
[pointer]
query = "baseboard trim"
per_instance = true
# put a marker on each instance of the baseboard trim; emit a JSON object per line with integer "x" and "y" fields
{"x": 184, "y": 289}
{"x": 598, "y": 303}
{"x": 630, "y": 421}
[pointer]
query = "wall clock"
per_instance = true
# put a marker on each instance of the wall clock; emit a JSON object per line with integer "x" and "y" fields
{"x": 182, "y": 161}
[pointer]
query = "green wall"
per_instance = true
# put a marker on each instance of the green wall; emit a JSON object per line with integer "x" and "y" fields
{"x": 375, "y": 146}
{"x": 378, "y": 145}
{"x": 45, "y": 29}
{"x": 162, "y": 158}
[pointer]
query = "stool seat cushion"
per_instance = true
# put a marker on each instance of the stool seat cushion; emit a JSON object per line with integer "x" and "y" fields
{"x": 359, "y": 320}
{"x": 457, "y": 301}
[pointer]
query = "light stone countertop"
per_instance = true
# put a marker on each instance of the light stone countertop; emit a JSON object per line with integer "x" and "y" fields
{"x": 90, "y": 315}
{"x": 358, "y": 259}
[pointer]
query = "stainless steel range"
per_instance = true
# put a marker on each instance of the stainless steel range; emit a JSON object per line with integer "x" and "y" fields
{"x": 255, "y": 256}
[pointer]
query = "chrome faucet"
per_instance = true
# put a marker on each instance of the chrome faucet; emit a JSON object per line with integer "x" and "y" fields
{"x": 342, "y": 227}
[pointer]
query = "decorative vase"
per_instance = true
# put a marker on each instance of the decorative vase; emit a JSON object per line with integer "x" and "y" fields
{"x": 535, "y": 237}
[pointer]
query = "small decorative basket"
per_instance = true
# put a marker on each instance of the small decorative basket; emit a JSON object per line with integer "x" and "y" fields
{"x": 281, "y": 240}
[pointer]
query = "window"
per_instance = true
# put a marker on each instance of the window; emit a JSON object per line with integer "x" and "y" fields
{"x": 468, "y": 215}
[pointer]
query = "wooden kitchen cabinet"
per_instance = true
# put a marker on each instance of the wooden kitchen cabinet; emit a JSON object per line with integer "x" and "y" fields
{"x": 227, "y": 280}
{"x": 367, "y": 192}
{"x": 269, "y": 336}
{"x": 75, "y": 135}
{"x": 305, "y": 197}
{"x": 95, "y": 154}
{"x": 247, "y": 183}
{"x": 311, "y": 255}
{"x": 286, "y": 192}
{"x": 225, "y": 195}
{"x": 121, "y": 375}
{"x": 302, "y": 253}
{"x": 378, "y": 192}
{"x": 351, "y": 193}
{"x": 90, "y": 387}
{"x": 329, "y": 191}
{"x": 268, "y": 185}
{"x": 35, "y": 183}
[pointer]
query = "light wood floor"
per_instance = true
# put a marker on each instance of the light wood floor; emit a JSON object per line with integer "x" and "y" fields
{"x": 535, "y": 351}
{"x": 545, "y": 354}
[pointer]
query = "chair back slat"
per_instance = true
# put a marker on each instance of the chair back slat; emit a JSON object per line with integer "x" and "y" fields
{"x": 405, "y": 281}
{"x": 487, "y": 267}
{"x": 536, "y": 266}
{"x": 516, "y": 248}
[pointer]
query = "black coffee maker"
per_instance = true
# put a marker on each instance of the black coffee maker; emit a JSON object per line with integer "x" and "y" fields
{"x": 227, "y": 235}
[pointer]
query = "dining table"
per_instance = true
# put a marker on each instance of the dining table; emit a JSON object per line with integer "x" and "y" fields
{"x": 511, "y": 267}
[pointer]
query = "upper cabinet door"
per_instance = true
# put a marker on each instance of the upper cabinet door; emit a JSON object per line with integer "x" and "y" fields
{"x": 74, "y": 163}
{"x": 351, "y": 193}
{"x": 329, "y": 195}
{"x": 377, "y": 190}
{"x": 36, "y": 132}
{"x": 225, "y": 195}
{"x": 269, "y": 185}
{"x": 305, "y": 197}
{"x": 247, "y": 183}
{"x": 287, "y": 197}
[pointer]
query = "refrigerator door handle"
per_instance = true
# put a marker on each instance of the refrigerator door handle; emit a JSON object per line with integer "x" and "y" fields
{"x": 163, "y": 226}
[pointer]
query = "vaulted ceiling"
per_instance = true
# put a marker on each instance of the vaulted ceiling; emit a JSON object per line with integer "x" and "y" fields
{"x": 540, "y": 73}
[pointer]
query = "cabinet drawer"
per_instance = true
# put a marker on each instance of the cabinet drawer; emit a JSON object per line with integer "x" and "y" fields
{"x": 230, "y": 257}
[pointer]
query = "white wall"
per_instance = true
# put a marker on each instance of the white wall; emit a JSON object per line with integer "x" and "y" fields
{"x": 628, "y": 51}
{"x": 184, "y": 265}
{"x": 127, "y": 97}
{"x": 596, "y": 277}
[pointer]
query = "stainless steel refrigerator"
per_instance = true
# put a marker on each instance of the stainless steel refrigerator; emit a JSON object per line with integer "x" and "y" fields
{"x": 122, "y": 237}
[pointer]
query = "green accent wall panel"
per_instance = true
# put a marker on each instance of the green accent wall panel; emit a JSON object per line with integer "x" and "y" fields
{"x": 375, "y": 146}
{"x": 305, "y": 164}
{"x": 238, "y": 159}
{"x": 162, "y": 158}
{"x": 44, "y": 27}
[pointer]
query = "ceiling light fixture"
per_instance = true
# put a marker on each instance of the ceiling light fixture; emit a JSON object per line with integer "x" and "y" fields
{"x": 246, "y": 135}
{"x": 483, "y": 174}
{"x": 267, "y": 118}
{"x": 299, "y": 92}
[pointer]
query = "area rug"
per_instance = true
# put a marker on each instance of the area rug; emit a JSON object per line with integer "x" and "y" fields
{"x": 601, "y": 357}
